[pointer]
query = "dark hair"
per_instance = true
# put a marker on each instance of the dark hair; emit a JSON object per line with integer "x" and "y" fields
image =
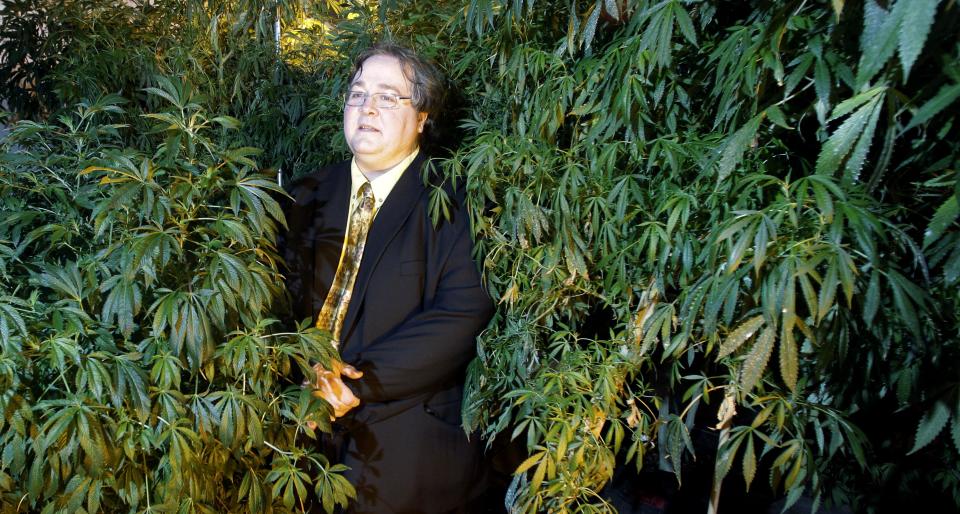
{"x": 427, "y": 81}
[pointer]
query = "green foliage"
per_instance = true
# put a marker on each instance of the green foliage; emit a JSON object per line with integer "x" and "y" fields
{"x": 682, "y": 204}
{"x": 227, "y": 49}
{"x": 696, "y": 217}
{"x": 141, "y": 369}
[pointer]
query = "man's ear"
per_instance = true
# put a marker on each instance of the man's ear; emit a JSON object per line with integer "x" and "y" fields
{"x": 421, "y": 120}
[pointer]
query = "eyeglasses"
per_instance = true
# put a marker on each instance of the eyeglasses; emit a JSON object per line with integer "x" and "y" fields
{"x": 380, "y": 100}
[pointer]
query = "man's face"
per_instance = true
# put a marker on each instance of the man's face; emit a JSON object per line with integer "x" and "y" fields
{"x": 380, "y": 138}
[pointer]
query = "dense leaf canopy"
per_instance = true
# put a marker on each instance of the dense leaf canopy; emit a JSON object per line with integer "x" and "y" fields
{"x": 731, "y": 222}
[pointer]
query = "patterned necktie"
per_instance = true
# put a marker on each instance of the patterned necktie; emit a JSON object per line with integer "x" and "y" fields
{"x": 338, "y": 299}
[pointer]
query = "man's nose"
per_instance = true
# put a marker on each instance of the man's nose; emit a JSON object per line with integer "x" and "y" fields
{"x": 369, "y": 105}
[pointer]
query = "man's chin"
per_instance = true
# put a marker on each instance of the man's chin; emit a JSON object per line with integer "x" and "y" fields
{"x": 366, "y": 145}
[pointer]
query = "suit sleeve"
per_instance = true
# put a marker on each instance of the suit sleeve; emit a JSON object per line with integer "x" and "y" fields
{"x": 433, "y": 346}
{"x": 295, "y": 251}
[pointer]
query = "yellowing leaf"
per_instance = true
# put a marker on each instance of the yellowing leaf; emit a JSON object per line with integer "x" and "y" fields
{"x": 728, "y": 408}
{"x": 795, "y": 472}
{"x": 756, "y": 362}
{"x": 789, "y": 361}
{"x": 530, "y": 462}
{"x": 749, "y": 462}
{"x": 539, "y": 474}
{"x": 740, "y": 335}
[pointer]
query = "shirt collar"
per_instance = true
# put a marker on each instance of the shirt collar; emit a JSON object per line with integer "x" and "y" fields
{"x": 383, "y": 184}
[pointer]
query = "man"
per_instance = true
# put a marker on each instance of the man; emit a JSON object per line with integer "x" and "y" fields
{"x": 400, "y": 295}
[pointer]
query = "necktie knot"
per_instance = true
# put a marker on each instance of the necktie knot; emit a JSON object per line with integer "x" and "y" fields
{"x": 365, "y": 197}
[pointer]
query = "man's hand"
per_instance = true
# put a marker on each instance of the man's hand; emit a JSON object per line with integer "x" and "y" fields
{"x": 329, "y": 386}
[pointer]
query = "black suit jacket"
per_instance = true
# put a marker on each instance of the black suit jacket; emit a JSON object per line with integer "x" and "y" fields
{"x": 416, "y": 309}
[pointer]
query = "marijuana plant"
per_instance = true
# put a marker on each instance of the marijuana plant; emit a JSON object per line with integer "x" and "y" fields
{"x": 140, "y": 367}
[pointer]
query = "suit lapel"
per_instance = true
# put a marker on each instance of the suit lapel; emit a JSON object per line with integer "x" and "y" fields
{"x": 391, "y": 218}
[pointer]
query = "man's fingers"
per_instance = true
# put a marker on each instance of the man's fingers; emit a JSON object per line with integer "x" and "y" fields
{"x": 351, "y": 372}
{"x": 328, "y": 396}
{"x": 345, "y": 403}
{"x": 338, "y": 407}
{"x": 339, "y": 368}
{"x": 332, "y": 389}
